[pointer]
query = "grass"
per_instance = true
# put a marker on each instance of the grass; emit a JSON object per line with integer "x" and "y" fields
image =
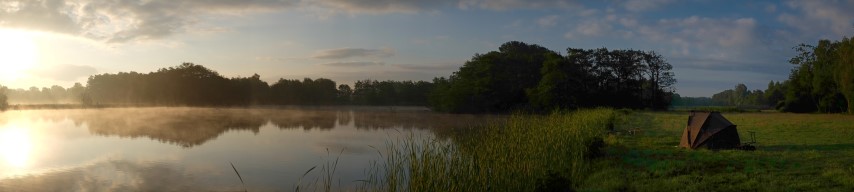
{"x": 796, "y": 152}
{"x": 325, "y": 180}
{"x": 528, "y": 153}
{"x": 564, "y": 152}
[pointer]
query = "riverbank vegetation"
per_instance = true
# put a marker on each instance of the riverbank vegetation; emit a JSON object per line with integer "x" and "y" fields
{"x": 528, "y": 153}
{"x": 524, "y": 153}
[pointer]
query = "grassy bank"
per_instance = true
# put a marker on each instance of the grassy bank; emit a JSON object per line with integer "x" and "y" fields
{"x": 563, "y": 151}
{"x": 796, "y": 152}
{"x": 528, "y": 153}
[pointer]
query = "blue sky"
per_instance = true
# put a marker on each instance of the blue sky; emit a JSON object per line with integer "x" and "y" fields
{"x": 713, "y": 45}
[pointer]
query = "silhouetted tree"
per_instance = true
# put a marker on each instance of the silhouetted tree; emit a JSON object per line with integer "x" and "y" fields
{"x": 522, "y": 76}
{"x": 3, "y": 103}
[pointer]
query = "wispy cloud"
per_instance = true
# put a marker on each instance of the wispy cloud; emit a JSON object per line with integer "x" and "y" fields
{"x": 343, "y": 53}
{"x": 353, "y": 64}
{"x": 547, "y": 21}
{"x": 434, "y": 67}
{"x": 813, "y": 18}
{"x": 644, "y": 5}
{"x": 379, "y": 6}
{"x": 122, "y": 21}
{"x": 517, "y": 4}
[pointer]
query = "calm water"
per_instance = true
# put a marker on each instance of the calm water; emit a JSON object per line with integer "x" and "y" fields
{"x": 189, "y": 149}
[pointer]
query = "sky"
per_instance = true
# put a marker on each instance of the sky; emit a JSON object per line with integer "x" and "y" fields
{"x": 712, "y": 44}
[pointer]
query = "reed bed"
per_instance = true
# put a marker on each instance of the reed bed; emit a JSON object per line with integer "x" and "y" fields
{"x": 527, "y": 153}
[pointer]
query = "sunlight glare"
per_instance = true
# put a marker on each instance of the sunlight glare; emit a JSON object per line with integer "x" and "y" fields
{"x": 18, "y": 53}
{"x": 15, "y": 146}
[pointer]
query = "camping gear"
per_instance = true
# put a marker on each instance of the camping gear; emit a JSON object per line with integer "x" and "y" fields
{"x": 709, "y": 130}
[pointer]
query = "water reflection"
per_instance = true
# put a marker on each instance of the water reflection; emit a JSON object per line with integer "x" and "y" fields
{"x": 15, "y": 145}
{"x": 189, "y": 127}
{"x": 134, "y": 149}
{"x": 110, "y": 175}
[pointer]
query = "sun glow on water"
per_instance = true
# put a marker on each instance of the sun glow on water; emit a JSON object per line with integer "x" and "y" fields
{"x": 16, "y": 145}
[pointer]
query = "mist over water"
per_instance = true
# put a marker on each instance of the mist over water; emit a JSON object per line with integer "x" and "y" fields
{"x": 189, "y": 149}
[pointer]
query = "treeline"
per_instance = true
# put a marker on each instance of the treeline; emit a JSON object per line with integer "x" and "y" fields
{"x": 520, "y": 76}
{"x": 372, "y": 92}
{"x": 740, "y": 96}
{"x": 54, "y": 95}
{"x": 190, "y": 84}
{"x": 822, "y": 81}
{"x": 684, "y": 101}
{"x": 195, "y": 85}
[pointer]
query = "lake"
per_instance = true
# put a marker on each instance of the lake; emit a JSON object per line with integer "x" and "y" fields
{"x": 193, "y": 149}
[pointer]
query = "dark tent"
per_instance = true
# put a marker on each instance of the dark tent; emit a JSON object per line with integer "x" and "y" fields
{"x": 709, "y": 130}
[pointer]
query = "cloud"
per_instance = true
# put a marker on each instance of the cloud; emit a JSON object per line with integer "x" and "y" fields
{"x": 715, "y": 38}
{"x": 548, "y": 21}
{"x": 644, "y": 5}
{"x": 269, "y": 58}
{"x": 594, "y": 28}
{"x": 771, "y": 8}
{"x": 343, "y": 53}
{"x": 815, "y": 18}
{"x": 517, "y": 4}
{"x": 353, "y": 64}
{"x": 64, "y": 72}
{"x": 435, "y": 67}
{"x": 379, "y": 6}
{"x": 122, "y": 21}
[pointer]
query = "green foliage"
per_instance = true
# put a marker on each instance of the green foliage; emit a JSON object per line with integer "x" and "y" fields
{"x": 492, "y": 82}
{"x": 845, "y": 71}
{"x": 308, "y": 92}
{"x": 195, "y": 85}
{"x": 741, "y": 97}
{"x": 821, "y": 81}
{"x": 679, "y": 101}
{"x": 528, "y": 153}
{"x": 529, "y": 77}
{"x": 373, "y": 92}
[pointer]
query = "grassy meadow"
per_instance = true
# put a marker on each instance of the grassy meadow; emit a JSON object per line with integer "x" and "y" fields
{"x": 796, "y": 152}
{"x": 619, "y": 150}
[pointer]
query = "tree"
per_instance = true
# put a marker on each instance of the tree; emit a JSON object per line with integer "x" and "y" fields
{"x": 3, "y": 99}
{"x": 845, "y": 71}
{"x": 344, "y": 93}
{"x": 495, "y": 81}
{"x": 529, "y": 77}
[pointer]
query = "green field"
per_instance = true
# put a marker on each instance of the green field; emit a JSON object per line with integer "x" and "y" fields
{"x": 563, "y": 152}
{"x": 796, "y": 152}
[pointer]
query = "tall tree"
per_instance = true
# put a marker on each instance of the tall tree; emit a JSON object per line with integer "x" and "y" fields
{"x": 845, "y": 71}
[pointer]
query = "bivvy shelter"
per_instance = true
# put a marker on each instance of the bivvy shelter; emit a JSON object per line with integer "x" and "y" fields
{"x": 710, "y": 130}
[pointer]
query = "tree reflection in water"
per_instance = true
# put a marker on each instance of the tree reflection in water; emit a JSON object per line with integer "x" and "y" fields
{"x": 189, "y": 127}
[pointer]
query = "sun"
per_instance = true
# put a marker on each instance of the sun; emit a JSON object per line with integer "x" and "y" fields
{"x": 18, "y": 53}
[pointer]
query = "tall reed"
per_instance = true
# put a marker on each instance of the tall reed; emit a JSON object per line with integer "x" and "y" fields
{"x": 528, "y": 153}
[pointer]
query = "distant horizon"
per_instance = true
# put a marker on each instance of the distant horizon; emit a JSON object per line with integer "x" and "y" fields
{"x": 712, "y": 45}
